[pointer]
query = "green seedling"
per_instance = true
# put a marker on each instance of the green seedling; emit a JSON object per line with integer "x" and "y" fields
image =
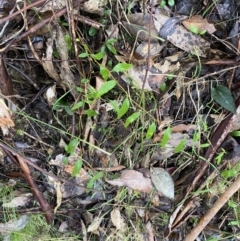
{"x": 166, "y": 137}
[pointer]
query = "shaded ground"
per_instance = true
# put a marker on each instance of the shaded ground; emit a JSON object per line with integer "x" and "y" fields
{"x": 120, "y": 120}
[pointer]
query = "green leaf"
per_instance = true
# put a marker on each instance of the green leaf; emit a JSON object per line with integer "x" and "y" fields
{"x": 196, "y": 136}
{"x": 111, "y": 41}
{"x": 72, "y": 145}
{"x": 92, "y": 31}
{"x": 85, "y": 81}
{"x": 234, "y": 223}
{"x": 77, "y": 167}
{"x": 166, "y": 137}
{"x": 114, "y": 105}
{"x": 104, "y": 72}
{"x": 180, "y": 146}
{"x": 65, "y": 160}
{"x": 68, "y": 40}
{"x": 171, "y": 3}
{"x": 77, "y": 105}
{"x": 94, "y": 179}
{"x": 68, "y": 110}
{"x": 194, "y": 29}
{"x": 111, "y": 48}
{"x": 124, "y": 108}
{"x": 204, "y": 145}
{"x": 163, "y": 87}
{"x": 131, "y": 119}
{"x": 83, "y": 55}
{"x": 235, "y": 133}
{"x": 151, "y": 130}
{"x": 163, "y": 4}
{"x": 120, "y": 67}
{"x": 229, "y": 173}
{"x": 220, "y": 156}
{"x": 223, "y": 97}
{"x": 232, "y": 204}
{"x": 97, "y": 56}
{"x": 203, "y": 32}
{"x": 91, "y": 113}
{"x": 106, "y": 87}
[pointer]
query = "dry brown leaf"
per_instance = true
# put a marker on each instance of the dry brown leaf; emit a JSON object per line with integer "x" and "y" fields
{"x": 117, "y": 219}
{"x": 199, "y": 23}
{"x": 134, "y": 180}
{"x": 5, "y": 117}
{"x": 183, "y": 127}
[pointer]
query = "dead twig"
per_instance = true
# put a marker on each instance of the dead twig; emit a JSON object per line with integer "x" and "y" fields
{"x": 234, "y": 187}
{"x": 28, "y": 177}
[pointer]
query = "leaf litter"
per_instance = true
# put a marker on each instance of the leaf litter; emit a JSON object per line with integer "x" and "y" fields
{"x": 112, "y": 116}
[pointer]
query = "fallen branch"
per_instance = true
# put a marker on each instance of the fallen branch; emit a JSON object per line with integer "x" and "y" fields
{"x": 212, "y": 211}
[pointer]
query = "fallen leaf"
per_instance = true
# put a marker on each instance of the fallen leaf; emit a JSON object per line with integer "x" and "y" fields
{"x": 19, "y": 201}
{"x": 93, "y": 227}
{"x": 163, "y": 182}
{"x": 117, "y": 219}
{"x": 5, "y": 117}
{"x": 199, "y": 23}
{"x": 14, "y": 225}
{"x": 134, "y": 180}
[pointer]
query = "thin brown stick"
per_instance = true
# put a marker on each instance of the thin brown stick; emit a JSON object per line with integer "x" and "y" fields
{"x": 212, "y": 211}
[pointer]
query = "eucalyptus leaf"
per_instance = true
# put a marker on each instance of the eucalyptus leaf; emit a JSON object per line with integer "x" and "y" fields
{"x": 223, "y": 97}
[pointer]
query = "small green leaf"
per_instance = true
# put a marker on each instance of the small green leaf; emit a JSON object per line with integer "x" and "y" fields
{"x": 170, "y": 76}
{"x": 166, "y": 137}
{"x": 203, "y": 32}
{"x": 229, "y": 173}
{"x": 114, "y": 105}
{"x": 91, "y": 113}
{"x": 232, "y": 204}
{"x": 97, "y": 56}
{"x": 68, "y": 40}
{"x": 85, "y": 81}
{"x": 234, "y": 223}
{"x": 196, "y": 136}
{"x": 171, "y": 3}
{"x": 194, "y": 29}
{"x": 235, "y": 133}
{"x": 124, "y": 108}
{"x": 163, "y": 4}
{"x": 72, "y": 145}
{"x": 163, "y": 87}
{"x": 92, "y": 31}
{"x": 65, "y": 160}
{"x": 121, "y": 67}
{"x": 204, "y": 145}
{"x": 83, "y": 55}
{"x": 77, "y": 167}
{"x": 180, "y": 146}
{"x": 222, "y": 95}
{"x": 104, "y": 72}
{"x": 111, "y": 41}
{"x": 220, "y": 156}
{"x": 151, "y": 130}
{"x": 77, "y": 105}
{"x": 111, "y": 48}
{"x": 106, "y": 87}
{"x": 94, "y": 179}
{"x": 131, "y": 119}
